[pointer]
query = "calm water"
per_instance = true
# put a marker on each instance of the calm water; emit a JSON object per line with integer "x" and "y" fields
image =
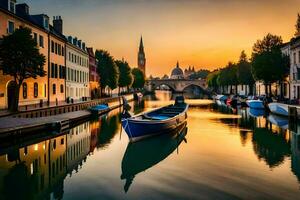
{"x": 221, "y": 154}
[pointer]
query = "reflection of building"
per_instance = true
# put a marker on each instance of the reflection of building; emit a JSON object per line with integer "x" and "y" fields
{"x": 34, "y": 171}
{"x": 177, "y": 72}
{"x": 77, "y": 61}
{"x": 78, "y": 146}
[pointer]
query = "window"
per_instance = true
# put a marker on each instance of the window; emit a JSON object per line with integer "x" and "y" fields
{"x": 36, "y": 90}
{"x": 35, "y": 38}
{"x": 59, "y": 49}
{"x": 54, "y": 89}
{"x": 56, "y": 48}
{"x": 52, "y": 70}
{"x": 56, "y": 71}
{"x": 294, "y": 56}
{"x": 24, "y": 90}
{"x": 11, "y": 27}
{"x": 12, "y": 6}
{"x": 62, "y": 51}
{"x": 52, "y": 46}
{"x": 61, "y": 88}
{"x": 70, "y": 56}
{"x": 41, "y": 41}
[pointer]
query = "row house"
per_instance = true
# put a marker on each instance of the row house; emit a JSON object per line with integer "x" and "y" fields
{"x": 94, "y": 77}
{"x": 77, "y": 62}
{"x": 51, "y": 42}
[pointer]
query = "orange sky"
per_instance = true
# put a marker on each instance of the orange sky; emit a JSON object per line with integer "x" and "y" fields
{"x": 203, "y": 33}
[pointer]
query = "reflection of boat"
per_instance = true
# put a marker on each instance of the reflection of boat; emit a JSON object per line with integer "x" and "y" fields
{"x": 279, "y": 109}
{"x": 256, "y": 112}
{"x": 257, "y": 104}
{"x": 157, "y": 121}
{"x": 143, "y": 155}
{"x": 282, "y": 122}
{"x": 99, "y": 109}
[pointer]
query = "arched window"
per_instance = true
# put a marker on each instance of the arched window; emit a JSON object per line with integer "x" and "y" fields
{"x": 61, "y": 88}
{"x": 36, "y": 90}
{"x": 54, "y": 89}
{"x": 24, "y": 90}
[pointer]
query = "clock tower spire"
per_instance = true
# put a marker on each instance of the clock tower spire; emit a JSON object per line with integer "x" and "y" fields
{"x": 142, "y": 57}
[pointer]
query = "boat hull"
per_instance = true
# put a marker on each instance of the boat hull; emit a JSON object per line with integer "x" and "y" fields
{"x": 137, "y": 130}
{"x": 256, "y": 104}
{"x": 279, "y": 109}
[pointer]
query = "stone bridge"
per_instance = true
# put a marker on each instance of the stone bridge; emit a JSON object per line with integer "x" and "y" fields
{"x": 176, "y": 85}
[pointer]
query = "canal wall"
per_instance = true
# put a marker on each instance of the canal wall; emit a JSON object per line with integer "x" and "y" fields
{"x": 56, "y": 119}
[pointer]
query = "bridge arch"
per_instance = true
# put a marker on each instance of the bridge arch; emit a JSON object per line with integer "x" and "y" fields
{"x": 156, "y": 85}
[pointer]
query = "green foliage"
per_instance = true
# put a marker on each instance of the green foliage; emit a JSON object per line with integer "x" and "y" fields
{"x": 267, "y": 44}
{"x": 268, "y": 63}
{"x": 228, "y": 75}
{"x": 21, "y": 59}
{"x": 244, "y": 73}
{"x": 107, "y": 69}
{"x": 212, "y": 79}
{"x": 200, "y": 74}
{"x": 125, "y": 78}
{"x": 138, "y": 77}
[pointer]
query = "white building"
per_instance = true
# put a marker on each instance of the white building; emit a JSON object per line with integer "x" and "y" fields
{"x": 294, "y": 52}
{"x": 77, "y": 64}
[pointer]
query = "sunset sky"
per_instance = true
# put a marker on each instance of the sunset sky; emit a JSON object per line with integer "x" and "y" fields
{"x": 201, "y": 33}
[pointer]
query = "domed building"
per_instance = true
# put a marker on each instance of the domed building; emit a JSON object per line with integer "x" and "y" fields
{"x": 177, "y": 72}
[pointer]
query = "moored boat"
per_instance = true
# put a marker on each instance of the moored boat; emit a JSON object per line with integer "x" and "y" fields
{"x": 256, "y": 104}
{"x": 256, "y": 112}
{"x": 99, "y": 109}
{"x": 157, "y": 121}
{"x": 279, "y": 109}
{"x": 279, "y": 121}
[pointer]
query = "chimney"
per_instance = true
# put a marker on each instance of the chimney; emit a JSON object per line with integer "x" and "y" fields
{"x": 22, "y": 9}
{"x": 58, "y": 24}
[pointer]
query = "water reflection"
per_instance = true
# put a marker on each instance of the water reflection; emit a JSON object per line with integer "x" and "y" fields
{"x": 38, "y": 170}
{"x": 231, "y": 153}
{"x": 142, "y": 155}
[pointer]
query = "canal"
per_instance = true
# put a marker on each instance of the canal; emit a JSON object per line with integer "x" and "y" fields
{"x": 223, "y": 153}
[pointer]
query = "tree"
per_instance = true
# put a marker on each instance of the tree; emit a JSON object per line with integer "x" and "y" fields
{"x": 21, "y": 59}
{"x": 138, "y": 77}
{"x": 200, "y": 74}
{"x": 244, "y": 73}
{"x": 297, "y": 33}
{"x": 212, "y": 80}
{"x": 125, "y": 78}
{"x": 107, "y": 70}
{"x": 228, "y": 76}
{"x": 269, "y": 65}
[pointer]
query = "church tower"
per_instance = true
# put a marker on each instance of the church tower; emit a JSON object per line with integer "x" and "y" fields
{"x": 142, "y": 58}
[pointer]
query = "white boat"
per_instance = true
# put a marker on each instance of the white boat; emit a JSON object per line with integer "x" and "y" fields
{"x": 256, "y": 104}
{"x": 220, "y": 97}
{"x": 279, "y": 109}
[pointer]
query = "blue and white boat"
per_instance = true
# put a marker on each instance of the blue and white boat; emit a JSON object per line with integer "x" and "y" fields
{"x": 279, "y": 109}
{"x": 256, "y": 104}
{"x": 99, "y": 109}
{"x": 256, "y": 112}
{"x": 279, "y": 121}
{"x": 157, "y": 121}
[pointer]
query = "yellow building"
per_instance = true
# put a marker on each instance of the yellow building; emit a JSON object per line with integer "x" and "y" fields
{"x": 42, "y": 89}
